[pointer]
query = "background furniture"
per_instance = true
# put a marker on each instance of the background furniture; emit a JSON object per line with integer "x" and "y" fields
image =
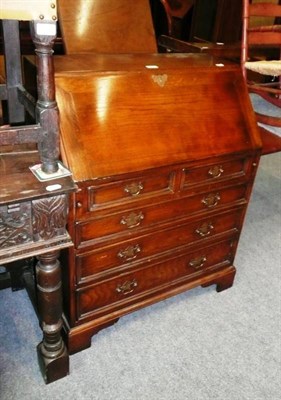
{"x": 33, "y": 209}
{"x": 107, "y": 27}
{"x": 176, "y": 12}
{"x": 209, "y": 21}
{"x": 265, "y": 84}
{"x": 217, "y": 21}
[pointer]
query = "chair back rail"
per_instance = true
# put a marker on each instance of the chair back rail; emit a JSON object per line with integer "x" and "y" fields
{"x": 259, "y": 35}
{"x": 262, "y": 30}
{"x": 45, "y": 129}
{"x": 107, "y": 26}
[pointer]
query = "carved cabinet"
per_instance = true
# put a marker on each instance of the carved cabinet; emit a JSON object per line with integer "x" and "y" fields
{"x": 34, "y": 206}
{"x": 164, "y": 150}
{"x": 33, "y": 224}
{"x": 33, "y": 218}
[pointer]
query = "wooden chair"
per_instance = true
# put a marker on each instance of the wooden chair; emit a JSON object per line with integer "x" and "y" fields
{"x": 265, "y": 94}
{"x": 33, "y": 205}
{"x": 103, "y": 26}
{"x": 201, "y": 39}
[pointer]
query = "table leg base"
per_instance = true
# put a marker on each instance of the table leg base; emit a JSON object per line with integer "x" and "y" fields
{"x": 53, "y": 369}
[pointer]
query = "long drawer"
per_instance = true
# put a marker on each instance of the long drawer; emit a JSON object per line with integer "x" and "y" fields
{"x": 130, "y": 286}
{"x": 101, "y": 229}
{"x": 97, "y": 262}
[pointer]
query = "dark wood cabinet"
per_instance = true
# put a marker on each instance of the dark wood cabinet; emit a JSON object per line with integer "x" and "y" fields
{"x": 217, "y": 21}
{"x": 207, "y": 20}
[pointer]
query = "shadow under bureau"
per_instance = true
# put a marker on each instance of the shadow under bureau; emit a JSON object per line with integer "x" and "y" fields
{"x": 164, "y": 150}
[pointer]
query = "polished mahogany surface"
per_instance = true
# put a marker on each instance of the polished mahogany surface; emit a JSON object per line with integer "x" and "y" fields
{"x": 106, "y": 26}
{"x": 80, "y": 63}
{"x": 164, "y": 150}
{"x": 134, "y": 113}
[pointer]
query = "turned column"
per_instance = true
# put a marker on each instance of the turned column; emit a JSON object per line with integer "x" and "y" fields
{"x": 43, "y": 36}
{"x": 48, "y": 222}
{"x": 52, "y": 353}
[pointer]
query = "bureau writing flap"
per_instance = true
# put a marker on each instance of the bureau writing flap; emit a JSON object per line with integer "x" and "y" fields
{"x": 137, "y": 115}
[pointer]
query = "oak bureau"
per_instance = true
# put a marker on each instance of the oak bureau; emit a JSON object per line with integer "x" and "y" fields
{"x": 164, "y": 150}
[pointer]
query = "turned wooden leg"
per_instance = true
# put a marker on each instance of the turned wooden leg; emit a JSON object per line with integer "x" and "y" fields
{"x": 52, "y": 353}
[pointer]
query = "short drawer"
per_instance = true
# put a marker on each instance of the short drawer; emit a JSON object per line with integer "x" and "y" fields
{"x": 108, "y": 259}
{"x": 215, "y": 172}
{"x": 101, "y": 229}
{"x": 130, "y": 189}
{"x": 108, "y": 295}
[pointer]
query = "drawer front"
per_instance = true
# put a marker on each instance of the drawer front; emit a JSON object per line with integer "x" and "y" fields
{"x": 98, "y": 229}
{"x": 215, "y": 172}
{"x": 119, "y": 291}
{"x": 128, "y": 190}
{"x": 107, "y": 260}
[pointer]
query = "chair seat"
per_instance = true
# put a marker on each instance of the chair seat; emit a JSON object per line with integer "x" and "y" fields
{"x": 262, "y": 106}
{"x": 272, "y": 67}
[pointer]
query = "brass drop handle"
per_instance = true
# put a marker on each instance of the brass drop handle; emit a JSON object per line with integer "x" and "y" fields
{"x": 127, "y": 287}
{"x": 132, "y": 220}
{"x": 216, "y": 171}
{"x": 205, "y": 229}
{"x": 211, "y": 200}
{"x": 198, "y": 262}
{"x": 134, "y": 188}
{"x": 130, "y": 253}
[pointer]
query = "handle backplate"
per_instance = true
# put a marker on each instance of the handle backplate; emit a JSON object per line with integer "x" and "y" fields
{"x": 127, "y": 287}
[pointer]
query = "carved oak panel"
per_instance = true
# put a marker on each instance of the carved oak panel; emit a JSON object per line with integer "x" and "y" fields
{"x": 49, "y": 217}
{"x": 15, "y": 224}
{"x": 25, "y": 222}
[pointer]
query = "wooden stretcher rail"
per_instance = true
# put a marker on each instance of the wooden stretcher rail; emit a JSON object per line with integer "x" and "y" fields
{"x": 26, "y": 134}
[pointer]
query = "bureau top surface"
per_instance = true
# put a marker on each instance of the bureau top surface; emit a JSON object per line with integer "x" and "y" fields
{"x": 82, "y": 63}
{"x": 127, "y": 113}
